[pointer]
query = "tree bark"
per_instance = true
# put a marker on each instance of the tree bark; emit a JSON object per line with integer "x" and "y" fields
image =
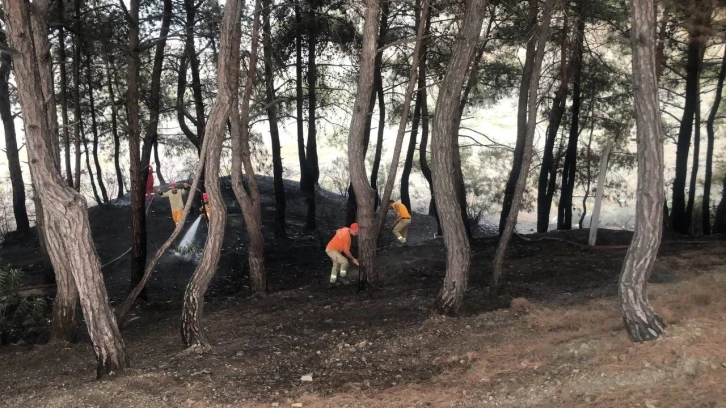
{"x": 140, "y": 160}
{"x": 641, "y": 321}
{"x": 306, "y": 187}
{"x": 378, "y": 90}
{"x": 356, "y": 150}
{"x": 443, "y": 160}
{"x": 241, "y": 162}
{"x": 89, "y": 168}
{"x": 569, "y": 170}
{"x": 548, "y": 171}
{"x": 157, "y": 160}
{"x": 280, "y": 204}
{"x": 114, "y": 125}
{"x": 63, "y": 94}
{"x": 192, "y": 331}
{"x": 94, "y": 129}
{"x": 540, "y": 37}
{"x": 521, "y": 118}
{"x": 696, "y": 154}
{"x": 422, "y": 93}
{"x": 709, "y": 149}
{"x": 680, "y": 217}
{"x": 76, "y": 94}
{"x": 603, "y": 168}
{"x": 719, "y": 226}
{"x": 22, "y": 224}
{"x": 65, "y": 217}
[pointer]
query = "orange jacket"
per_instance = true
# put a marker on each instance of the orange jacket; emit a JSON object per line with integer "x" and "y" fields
{"x": 341, "y": 241}
{"x": 401, "y": 210}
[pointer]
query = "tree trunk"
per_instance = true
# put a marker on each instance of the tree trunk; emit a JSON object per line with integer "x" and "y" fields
{"x": 640, "y": 319}
{"x": 22, "y": 225}
{"x": 157, "y": 160}
{"x": 90, "y": 169}
{"x": 548, "y": 171}
{"x": 719, "y": 225}
{"x": 63, "y": 94}
{"x": 138, "y": 215}
{"x": 140, "y": 162}
{"x": 241, "y": 162}
{"x": 65, "y": 218}
{"x": 521, "y": 118}
{"x": 114, "y": 125}
{"x": 696, "y": 154}
{"x": 311, "y": 155}
{"x": 569, "y": 170}
{"x": 356, "y": 150}
{"x": 589, "y": 165}
{"x": 94, "y": 129}
{"x": 280, "y": 204}
{"x": 408, "y": 163}
{"x": 679, "y": 216}
{"x": 540, "y": 37}
{"x": 378, "y": 90}
{"x": 191, "y": 328}
{"x": 443, "y": 160}
{"x": 189, "y": 59}
{"x": 77, "y": 41}
{"x": 603, "y": 168}
{"x": 305, "y": 187}
{"x": 422, "y": 93}
{"x": 709, "y": 149}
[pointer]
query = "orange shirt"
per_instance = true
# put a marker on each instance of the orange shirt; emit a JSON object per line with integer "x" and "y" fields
{"x": 341, "y": 241}
{"x": 401, "y": 211}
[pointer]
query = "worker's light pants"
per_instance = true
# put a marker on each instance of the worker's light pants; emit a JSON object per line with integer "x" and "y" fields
{"x": 339, "y": 262}
{"x": 400, "y": 230}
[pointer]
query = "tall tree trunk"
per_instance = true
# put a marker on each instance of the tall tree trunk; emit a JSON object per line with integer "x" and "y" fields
{"x": 311, "y": 155}
{"x": 133, "y": 129}
{"x": 157, "y": 160}
{"x": 77, "y": 41}
{"x": 94, "y": 129}
{"x": 22, "y": 224}
{"x": 65, "y": 217}
{"x": 241, "y": 162}
{"x": 90, "y": 169}
{"x": 299, "y": 98}
{"x": 521, "y": 118}
{"x": 63, "y": 94}
{"x": 192, "y": 331}
{"x": 272, "y": 117}
{"x": 140, "y": 162}
{"x": 540, "y": 37}
{"x": 709, "y": 149}
{"x": 719, "y": 226}
{"x": 423, "y": 94}
{"x": 589, "y": 167}
{"x": 189, "y": 59}
{"x": 114, "y": 125}
{"x": 443, "y": 159}
{"x": 640, "y": 319}
{"x": 548, "y": 171}
{"x": 696, "y": 154}
{"x": 378, "y": 90}
{"x": 569, "y": 171}
{"x": 679, "y": 217}
{"x": 408, "y": 163}
{"x": 364, "y": 194}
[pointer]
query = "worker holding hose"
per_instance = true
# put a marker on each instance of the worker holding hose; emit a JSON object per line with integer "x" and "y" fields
{"x": 175, "y": 200}
{"x": 403, "y": 220}
{"x": 149, "y": 183}
{"x": 205, "y": 209}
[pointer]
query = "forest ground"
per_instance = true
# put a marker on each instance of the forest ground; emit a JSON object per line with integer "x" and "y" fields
{"x": 553, "y": 339}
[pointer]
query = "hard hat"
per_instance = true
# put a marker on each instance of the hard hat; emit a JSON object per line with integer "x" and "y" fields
{"x": 354, "y": 227}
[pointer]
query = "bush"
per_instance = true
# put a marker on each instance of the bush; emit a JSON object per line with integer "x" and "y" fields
{"x": 15, "y": 308}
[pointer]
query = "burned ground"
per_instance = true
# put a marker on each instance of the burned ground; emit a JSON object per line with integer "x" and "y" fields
{"x": 554, "y": 337}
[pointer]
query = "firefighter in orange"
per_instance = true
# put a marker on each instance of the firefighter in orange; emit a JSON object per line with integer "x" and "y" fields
{"x": 338, "y": 250}
{"x": 403, "y": 220}
{"x": 205, "y": 209}
{"x": 175, "y": 200}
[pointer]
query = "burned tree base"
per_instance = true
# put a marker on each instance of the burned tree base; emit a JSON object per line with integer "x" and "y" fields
{"x": 641, "y": 321}
{"x": 449, "y": 300}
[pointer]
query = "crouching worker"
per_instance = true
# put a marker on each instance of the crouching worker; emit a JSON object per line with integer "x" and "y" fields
{"x": 175, "y": 200}
{"x": 338, "y": 249}
{"x": 403, "y": 220}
